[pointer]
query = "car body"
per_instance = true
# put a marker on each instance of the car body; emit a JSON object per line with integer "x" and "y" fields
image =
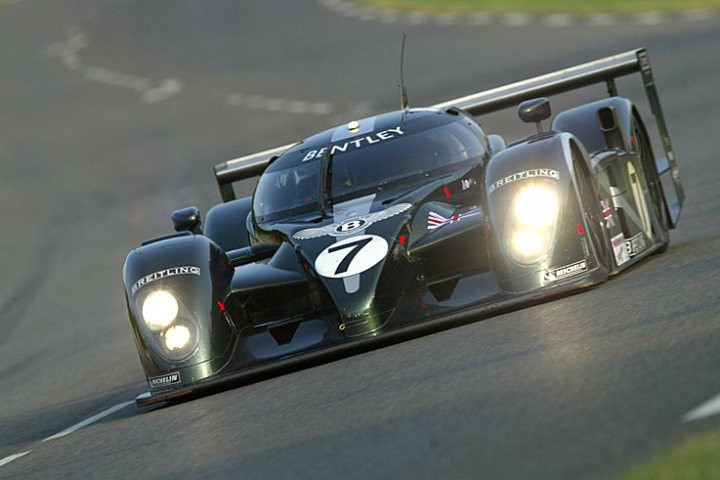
{"x": 398, "y": 225}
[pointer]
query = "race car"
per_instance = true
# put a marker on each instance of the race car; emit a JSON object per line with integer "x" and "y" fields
{"x": 399, "y": 225}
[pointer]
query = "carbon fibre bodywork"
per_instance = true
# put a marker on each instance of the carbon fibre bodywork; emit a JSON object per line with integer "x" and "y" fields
{"x": 346, "y": 263}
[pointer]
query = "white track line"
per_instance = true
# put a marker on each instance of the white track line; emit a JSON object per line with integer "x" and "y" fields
{"x": 601, "y": 20}
{"x": 698, "y": 15}
{"x": 516, "y": 19}
{"x": 89, "y": 421}
{"x": 650, "y": 18}
{"x": 711, "y": 407}
{"x": 552, "y": 20}
{"x": 274, "y": 104}
{"x": 9, "y": 459}
{"x": 74, "y": 428}
{"x": 150, "y": 92}
{"x": 558, "y": 20}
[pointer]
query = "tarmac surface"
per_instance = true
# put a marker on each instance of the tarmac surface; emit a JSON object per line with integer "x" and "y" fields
{"x": 112, "y": 113}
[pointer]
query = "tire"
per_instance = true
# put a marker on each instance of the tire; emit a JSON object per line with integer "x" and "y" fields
{"x": 660, "y": 221}
{"x": 590, "y": 206}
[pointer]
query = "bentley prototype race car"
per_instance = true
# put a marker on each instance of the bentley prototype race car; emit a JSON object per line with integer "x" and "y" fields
{"x": 399, "y": 225}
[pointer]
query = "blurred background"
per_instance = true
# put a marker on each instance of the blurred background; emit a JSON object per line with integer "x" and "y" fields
{"x": 112, "y": 114}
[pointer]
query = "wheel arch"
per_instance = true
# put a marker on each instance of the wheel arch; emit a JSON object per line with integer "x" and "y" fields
{"x": 582, "y": 121}
{"x": 549, "y": 158}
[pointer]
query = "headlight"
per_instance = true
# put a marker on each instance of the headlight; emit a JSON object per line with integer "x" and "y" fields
{"x": 176, "y": 337}
{"x": 536, "y": 206}
{"x": 527, "y": 242}
{"x": 180, "y": 340}
{"x": 531, "y": 226}
{"x": 159, "y": 309}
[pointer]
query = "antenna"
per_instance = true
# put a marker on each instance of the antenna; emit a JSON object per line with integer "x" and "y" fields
{"x": 403, "y": 91}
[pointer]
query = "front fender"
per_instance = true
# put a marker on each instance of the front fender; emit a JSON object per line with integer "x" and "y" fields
{"x": 545, "y": 160}
{"x": 196, "y": 272}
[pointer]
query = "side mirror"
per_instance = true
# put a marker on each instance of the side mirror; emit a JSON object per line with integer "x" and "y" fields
{"x": 535, "y": 111}
{"x": 187, "y": 220}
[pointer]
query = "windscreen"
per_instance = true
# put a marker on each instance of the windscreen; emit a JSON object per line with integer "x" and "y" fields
{"x": 410, "y": 158}
{"x": 406, "y": 160}
{"x": 290, "y": 190}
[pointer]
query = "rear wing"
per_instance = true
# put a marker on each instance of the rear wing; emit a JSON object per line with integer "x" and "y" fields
{"x": 603, "y": 70}
{"x": 241, "y": 168}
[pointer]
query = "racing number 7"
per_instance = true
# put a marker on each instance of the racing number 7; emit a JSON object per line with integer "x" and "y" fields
{"x": 354, "y": 247}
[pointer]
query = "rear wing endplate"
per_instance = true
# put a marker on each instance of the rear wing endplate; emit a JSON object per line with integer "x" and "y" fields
{"x": 603, "y": 70}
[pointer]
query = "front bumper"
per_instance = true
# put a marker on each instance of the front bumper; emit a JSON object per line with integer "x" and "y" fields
{"x": 356, "y": 345}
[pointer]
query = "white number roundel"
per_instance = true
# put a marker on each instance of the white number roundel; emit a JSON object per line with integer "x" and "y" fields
{"x": 351, "y": 256}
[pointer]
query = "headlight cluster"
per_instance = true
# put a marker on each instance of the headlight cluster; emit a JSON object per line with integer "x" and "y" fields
{"x": 159, "y": 309}
{"x": 531, "y": 226}
{"x": 176, "y": 335}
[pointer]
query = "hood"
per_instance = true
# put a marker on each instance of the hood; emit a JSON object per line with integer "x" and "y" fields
{"x": 352, "y": 254}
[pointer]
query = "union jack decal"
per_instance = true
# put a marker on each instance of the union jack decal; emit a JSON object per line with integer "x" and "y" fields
{"x": 435, "y": 220}
{"x": 607, "y": 213}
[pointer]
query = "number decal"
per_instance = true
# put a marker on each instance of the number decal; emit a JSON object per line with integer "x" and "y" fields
{"x": 351, "y": 256}
{"x": 355, "y": 247}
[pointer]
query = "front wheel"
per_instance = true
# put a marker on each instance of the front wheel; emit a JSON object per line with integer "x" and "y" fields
{"x": 659, "y": 224}
{"x": 596, "y": 234}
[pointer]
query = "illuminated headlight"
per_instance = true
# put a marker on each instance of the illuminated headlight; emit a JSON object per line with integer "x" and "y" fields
{"x": 177, "y": 337}
{"x": 529, "y": 245}
{"x": 527, "y": 242}
{"x": 536, "y": 206}
{"x": 180, "y": 340}
{"x": 160, "y": 309}
{"x": 531, "y": 226}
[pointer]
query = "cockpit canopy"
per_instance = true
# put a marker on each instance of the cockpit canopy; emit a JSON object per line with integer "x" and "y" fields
{"x": 376, "y": 154}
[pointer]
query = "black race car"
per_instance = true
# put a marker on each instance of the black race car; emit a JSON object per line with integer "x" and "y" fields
{"x": 399, "y": 225}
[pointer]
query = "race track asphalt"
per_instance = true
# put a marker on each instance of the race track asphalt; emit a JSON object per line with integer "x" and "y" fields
{"x": 112, "y": 113}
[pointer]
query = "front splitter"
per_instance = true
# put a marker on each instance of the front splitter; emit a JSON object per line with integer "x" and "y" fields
{"x": 355, "y": 346}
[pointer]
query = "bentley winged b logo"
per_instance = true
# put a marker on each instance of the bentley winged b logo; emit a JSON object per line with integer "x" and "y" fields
{"x": 351, "y": 225}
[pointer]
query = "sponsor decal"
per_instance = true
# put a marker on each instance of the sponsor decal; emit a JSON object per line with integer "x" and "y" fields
{"x": 435, "y": 220}
{"x": 619, "y": 249}
{"x": 164, "y": 380}
{"x": 352, "y": 225}
{"x": 468, "y": 183}
{"x": 351, "y": 145}
{"x": 576, "y": 268}
{"x": 351, "y": 256}
{"x": 607, "y": 213}
{"x": 170, "y": 272}
{"x": 534, "y": 173}
{"x": 636, "y": 244}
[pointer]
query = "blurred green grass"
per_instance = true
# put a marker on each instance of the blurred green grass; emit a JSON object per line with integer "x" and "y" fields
{"x": 547, "y": 6}
{"x": 697, "y": 459}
